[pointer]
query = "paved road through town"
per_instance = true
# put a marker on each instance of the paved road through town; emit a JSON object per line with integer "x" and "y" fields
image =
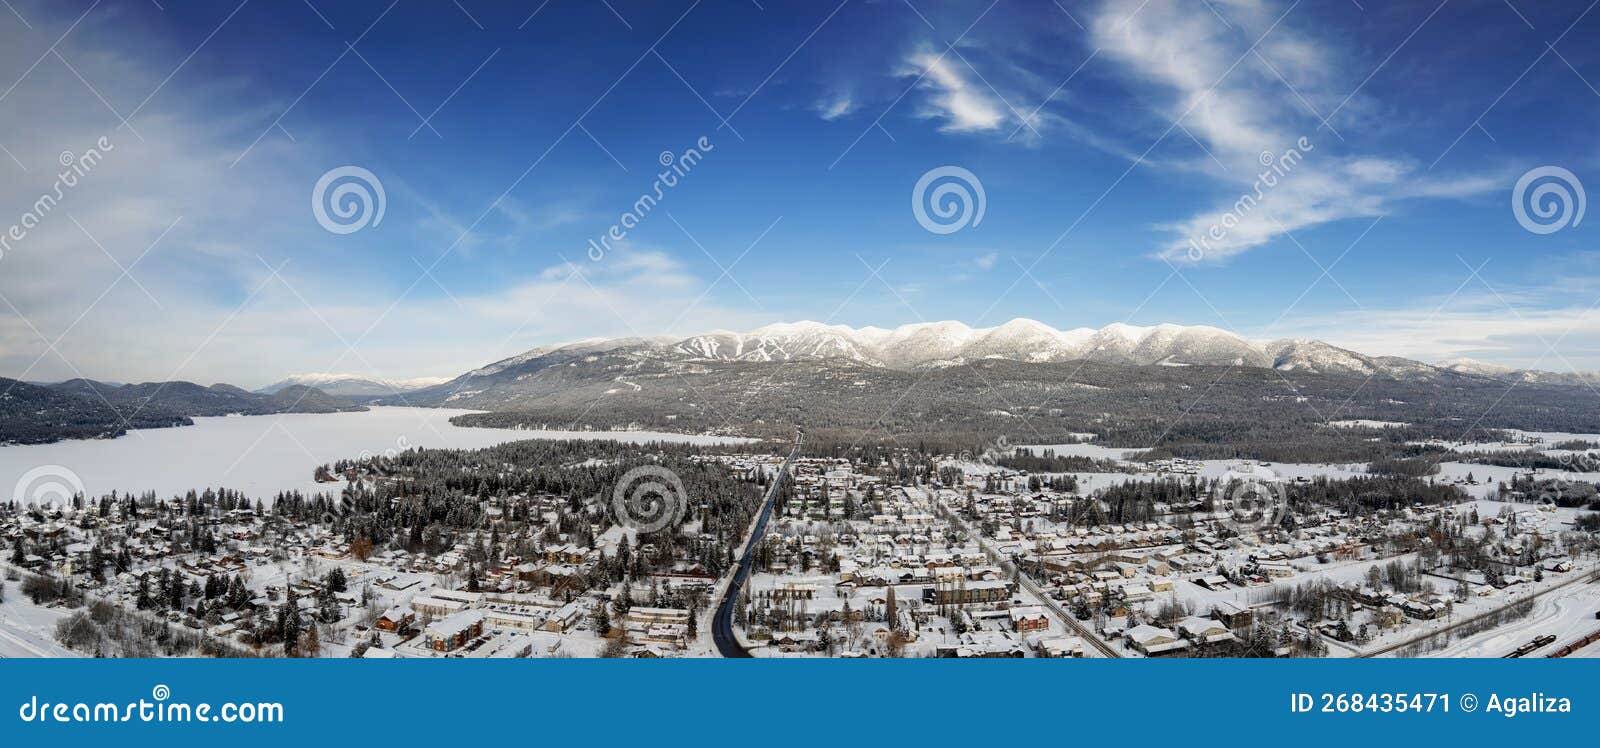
{"x": 1010, "y": 566}
{"x": 722, "y": 623}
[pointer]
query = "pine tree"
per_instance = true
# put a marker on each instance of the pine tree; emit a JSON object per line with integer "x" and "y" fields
{"x": 289, "y": 622}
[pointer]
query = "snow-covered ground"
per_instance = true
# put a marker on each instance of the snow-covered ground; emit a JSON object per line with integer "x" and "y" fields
{"x": 1521, "y": 440}
{"x": 263, "y": 455}
{"x": 1568, "y": 613}
{"x": 1090, "y": 482}
{"x": 27, "y": 630}
{"x": 1083, "y": 450}
{"x": 1367, "y": 423}
{"x": 1487, "y": 477}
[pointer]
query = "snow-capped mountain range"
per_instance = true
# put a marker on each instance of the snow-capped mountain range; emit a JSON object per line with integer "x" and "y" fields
{"x": 952, "y": 343}
{"x": 353, "y": 384}
{"x": 928, "y": 344}
{"x": 1528, "y": 376}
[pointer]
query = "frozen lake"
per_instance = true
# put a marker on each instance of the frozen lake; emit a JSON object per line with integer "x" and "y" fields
{"x": 259, "y": 455}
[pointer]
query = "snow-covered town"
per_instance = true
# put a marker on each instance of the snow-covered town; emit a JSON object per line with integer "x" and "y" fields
{"x": 214, "y": 573}
{"x": 997, "y": 562}
{"x": 888, "y": 555}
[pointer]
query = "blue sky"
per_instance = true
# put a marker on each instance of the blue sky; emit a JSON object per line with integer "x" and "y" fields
{"x": 1105, "y": 136}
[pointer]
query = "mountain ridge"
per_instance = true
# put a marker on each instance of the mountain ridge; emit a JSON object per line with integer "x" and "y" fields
{"x": 828, "y": 356}
{"x": 351, "y": 385}
{"x": 90, "y": 409}
{"x": 946, "y": 343}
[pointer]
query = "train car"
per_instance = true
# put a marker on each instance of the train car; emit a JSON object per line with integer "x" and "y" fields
{"x": 1541, "y": 641}
{"x": 1577, "y": 645}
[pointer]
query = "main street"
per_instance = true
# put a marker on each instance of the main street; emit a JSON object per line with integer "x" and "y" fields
{"x": 1026, "y": 582}
{"x": 722, "y": 622}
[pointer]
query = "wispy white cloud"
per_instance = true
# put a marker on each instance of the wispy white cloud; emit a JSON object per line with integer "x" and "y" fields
{"x": 1248, "y": 89}
{"x": 1549, "y": 322}
{"x": 202, "y": 237}
{"x": 959, "y": 102}
{"x": 836, "y": 105}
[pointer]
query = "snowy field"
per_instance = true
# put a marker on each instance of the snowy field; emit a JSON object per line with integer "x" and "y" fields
{"x": 1487, "y": 477}
{"x": 1083, "y": 450}
{"x": 27, "y": 630}
{"x": 1568, "y": 614}
{"x": 1367, "y": 423}
{"x": 262, "y": 455}
{"x": 1090, "y": 482}
{"x": 1521, "y": 440}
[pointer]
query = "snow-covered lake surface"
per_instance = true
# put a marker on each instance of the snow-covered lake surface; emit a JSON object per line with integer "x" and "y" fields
{"x": 260, "y": 455}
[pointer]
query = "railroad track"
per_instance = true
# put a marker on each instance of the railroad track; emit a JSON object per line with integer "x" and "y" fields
{"x": 1589, "y": 577}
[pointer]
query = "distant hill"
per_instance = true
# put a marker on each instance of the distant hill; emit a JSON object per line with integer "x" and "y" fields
{"x": 31, "y": 414}
{"x": 351, "y": 385}
{"x": 88, "y": 409}
{"x": 1526, "y": 376}
{"x": 302, "y": 399}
